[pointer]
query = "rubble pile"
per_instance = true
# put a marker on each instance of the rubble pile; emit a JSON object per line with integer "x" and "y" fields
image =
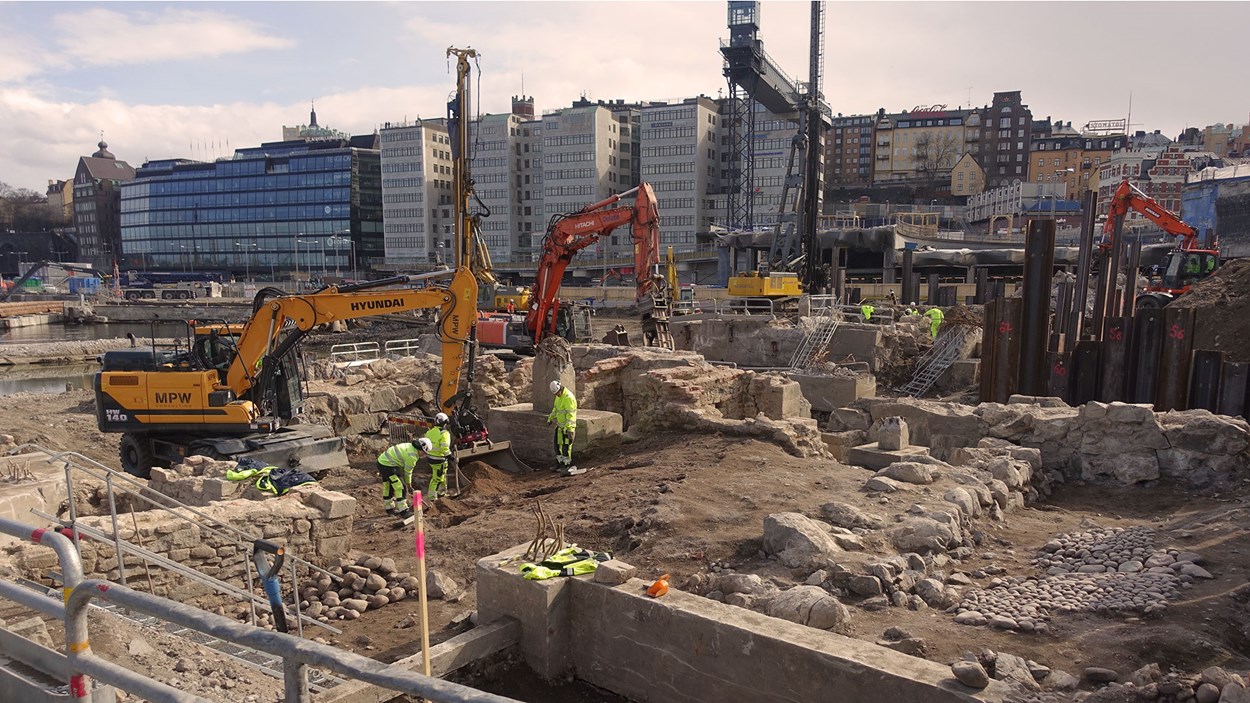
{"x": 654, "y": 390}
{"x": 367, "y": 583}
{"x": 1222, "y": 310}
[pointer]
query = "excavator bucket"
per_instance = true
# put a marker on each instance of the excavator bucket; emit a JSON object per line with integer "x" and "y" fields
{"x": 617, "y": 337}
{"x": 407, "y": 427}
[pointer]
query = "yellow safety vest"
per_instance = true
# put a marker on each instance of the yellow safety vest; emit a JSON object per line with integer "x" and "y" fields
{"x": 403, "y": 455}
{"x": 440, "y": 441}
{"x": 564, "y": 409}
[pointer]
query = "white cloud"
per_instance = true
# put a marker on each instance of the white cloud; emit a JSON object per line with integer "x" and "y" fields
{"x": 106, "y": 37}
{"x": 18, "y": 59}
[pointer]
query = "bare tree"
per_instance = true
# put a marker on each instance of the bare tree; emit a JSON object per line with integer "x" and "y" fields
{"x": 934, "y": 155}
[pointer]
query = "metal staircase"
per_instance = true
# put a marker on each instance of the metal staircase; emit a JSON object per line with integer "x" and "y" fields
{"x": 943, "y": 354}
{"x": 815, "y": 341}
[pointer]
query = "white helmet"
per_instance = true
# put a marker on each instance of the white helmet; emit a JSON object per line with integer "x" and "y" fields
{"x": 555, "y": 386}
{"x": 425, "y": 444}
{"x": 441, "y": 419}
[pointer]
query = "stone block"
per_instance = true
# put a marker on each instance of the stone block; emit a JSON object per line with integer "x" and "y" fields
{"x": 778, "y": 400}
{"x": 533, "y": 440}
{"x": 220, "y": 489}
{"x": 892, "y": 434}
{"x": 333, "y": 546}
{"x": 829, "y": 393}
{"x": 964, "y": 373}
{"x": 871, "y": 456}
{"x": 542, "y": 608}
{"x": 332, "y": 504}
{"x": 839, "y": 442}
{"x": 614, "y": 572}
{"x": 856, "y": 340}
{"x": 545, "y": 370}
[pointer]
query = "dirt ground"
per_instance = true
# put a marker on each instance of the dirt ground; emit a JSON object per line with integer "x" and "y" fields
{"x": 678, "y": 504}
{"x": 1223, "y": 310}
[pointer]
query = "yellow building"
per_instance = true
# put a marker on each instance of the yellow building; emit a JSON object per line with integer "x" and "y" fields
{"x": 923, "y": 144}
{"x": 967, "y": 178}
{"x": 1071, "y": 159}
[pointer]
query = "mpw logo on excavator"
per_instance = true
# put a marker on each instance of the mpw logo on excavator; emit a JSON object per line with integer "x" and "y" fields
{"x": 173, "y": 398}
{"x": 377, "y": 304}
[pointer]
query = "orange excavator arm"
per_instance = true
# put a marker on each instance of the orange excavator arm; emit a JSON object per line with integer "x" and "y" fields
{"x": 1129, "y": 197}
{"x": 569, "y": 234}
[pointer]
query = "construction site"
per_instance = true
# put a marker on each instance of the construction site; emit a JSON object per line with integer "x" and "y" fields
{"x": 1016, "y": 487}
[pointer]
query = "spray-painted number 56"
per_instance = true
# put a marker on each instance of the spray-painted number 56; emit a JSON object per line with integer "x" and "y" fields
{"x": 1177, "y": 332}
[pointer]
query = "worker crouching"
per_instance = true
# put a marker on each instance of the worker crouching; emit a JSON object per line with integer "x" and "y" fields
{"x": 395, "y": 465}
{"x": 564, "y": 416}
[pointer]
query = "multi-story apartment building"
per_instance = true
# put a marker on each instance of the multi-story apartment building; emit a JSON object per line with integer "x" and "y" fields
{"x": 1159, "y": 173}
{"x": 97, "y": 206}
{"x": 679, "y": 155}
{"x": 849, "y": 150}
{"x": 1062, "y": 155}
{"x": 417, "y": 192}
{"x": 1006, "y": 134}
{"x": 307, "y": 207}
{"x": 922, "y": 145}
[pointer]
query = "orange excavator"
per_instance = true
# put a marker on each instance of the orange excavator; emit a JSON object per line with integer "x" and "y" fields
{"x": 570, "y": 233}
{"x": 1185, "y": 266}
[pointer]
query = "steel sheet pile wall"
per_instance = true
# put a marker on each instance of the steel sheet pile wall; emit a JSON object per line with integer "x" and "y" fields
{"x": 1120, "y": 353}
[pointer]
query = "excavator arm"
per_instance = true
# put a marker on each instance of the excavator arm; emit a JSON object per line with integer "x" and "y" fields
{"x": 279, "y": 323}
{"x": 569, "y": 234}
{"x": 1128, "y": 197}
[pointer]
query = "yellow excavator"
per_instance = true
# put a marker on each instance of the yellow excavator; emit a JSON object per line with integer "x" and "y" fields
{"x": 231, "y": 395}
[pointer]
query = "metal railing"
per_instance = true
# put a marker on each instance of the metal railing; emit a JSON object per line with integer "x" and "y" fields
{"x": 80, "y": 662}
{"x": 356, "y": 351}
{"x": 296, "y": 654}
{"x": 401, "y": 347}
{"x": 214, "y": 527}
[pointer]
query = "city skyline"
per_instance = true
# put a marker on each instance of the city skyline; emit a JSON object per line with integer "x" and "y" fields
{"x": 200, "y": 80}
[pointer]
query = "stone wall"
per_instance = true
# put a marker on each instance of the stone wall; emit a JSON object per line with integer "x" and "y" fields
{"x": 315, "y": 525}
{"x": 655, "y": 391}
{"x": 1110, "y": 443}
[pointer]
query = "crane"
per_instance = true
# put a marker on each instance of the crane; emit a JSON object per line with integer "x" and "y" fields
{"x": 568, "y": 234}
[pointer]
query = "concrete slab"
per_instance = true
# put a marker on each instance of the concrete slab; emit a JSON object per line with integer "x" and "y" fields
{"x": 446, "y": 657}
{"x": 828, "y": 393}
{"x": 872, "y": 456}
{"x": 855, "y": 340}
{"x": 687, "y": 649}
{"x": 41, "y": 486}
{"x": 533, "y": 441}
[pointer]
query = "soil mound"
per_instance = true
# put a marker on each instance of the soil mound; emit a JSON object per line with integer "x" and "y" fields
{"x": 1222, "y": 304}
{"x": 485, "y": 479}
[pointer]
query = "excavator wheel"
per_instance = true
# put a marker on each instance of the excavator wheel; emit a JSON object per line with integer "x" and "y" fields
{"x": 137, "y": 455}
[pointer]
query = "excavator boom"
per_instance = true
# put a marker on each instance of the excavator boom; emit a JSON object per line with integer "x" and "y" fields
{"x": 569, "y": 234}
{"x": 1128, "y": 197}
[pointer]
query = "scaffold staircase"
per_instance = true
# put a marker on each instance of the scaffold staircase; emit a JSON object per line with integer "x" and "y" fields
{"x": 943, "y": 354}
{"x": 815, "y": 341}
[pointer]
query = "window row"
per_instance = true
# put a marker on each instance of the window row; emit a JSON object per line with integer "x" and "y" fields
{"x": 681, "y": 167}
{"x": 569, "y": 157}
{"x": 569, "y": 140}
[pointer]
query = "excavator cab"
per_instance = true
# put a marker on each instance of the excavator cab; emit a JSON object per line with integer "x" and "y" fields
{"x": 1186, "y": 268}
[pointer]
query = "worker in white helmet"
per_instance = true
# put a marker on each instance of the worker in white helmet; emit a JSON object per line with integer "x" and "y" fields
{"x": 395, "y": 466}
{"x": 440, "y": 454}
{"x": 564, "y": 416}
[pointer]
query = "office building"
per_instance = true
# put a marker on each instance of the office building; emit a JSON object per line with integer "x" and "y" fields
{"x": 680, "y": 156}
{"x": 302, "y": 209}
{"x": 416, "y": 165}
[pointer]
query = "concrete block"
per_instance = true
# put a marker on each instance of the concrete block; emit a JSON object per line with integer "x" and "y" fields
{"x": 546, "y": 370}
{"x": 533, "y": 441}
{"x": 613, "y": 572}
{"x": 855, "y": 340}
{"x": 839, "y": 442}
{"x": 333, "y": 546}
{"x": 829, "y": 393}
{"x": 872, "y": 456}
{"x": 964, "y": 373}
{"x": 332, "y": 504}
{"x": 542, "y": 608}
{"x": 892, "y": 434}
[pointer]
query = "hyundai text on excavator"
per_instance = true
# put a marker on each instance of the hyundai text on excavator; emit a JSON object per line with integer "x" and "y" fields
{"x": 229, "y": 397}
{"x": 1185, "y": 266}
{"x": 568, "y": 234}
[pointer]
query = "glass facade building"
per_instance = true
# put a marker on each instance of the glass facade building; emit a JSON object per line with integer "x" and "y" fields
{"x": 308, "y": 207}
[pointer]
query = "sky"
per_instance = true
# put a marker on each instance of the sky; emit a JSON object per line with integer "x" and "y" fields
{"x": 184, "y": 80}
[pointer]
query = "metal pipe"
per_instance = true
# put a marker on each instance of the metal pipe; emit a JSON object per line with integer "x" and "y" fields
{"x": 117, "y": 539}
{"x": 69, "y": 490}
{"x": 1130, "y": 278}
{"x": 1113, "y": 274}
{"x": 390, "y": 677}
{"x": 30, "y": 599}
{"x": 130, "y": 681}
{"x": 66, "y": 552}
